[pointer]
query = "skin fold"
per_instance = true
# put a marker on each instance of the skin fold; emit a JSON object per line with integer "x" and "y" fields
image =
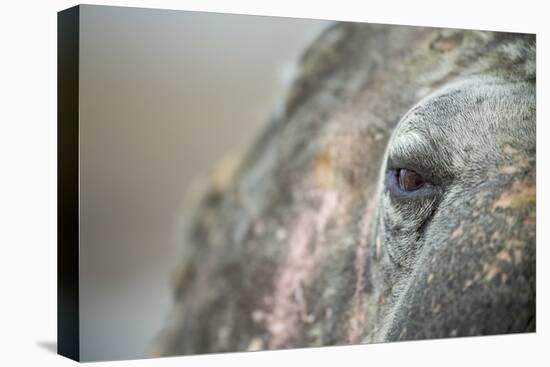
{"x": 307, "y": 240}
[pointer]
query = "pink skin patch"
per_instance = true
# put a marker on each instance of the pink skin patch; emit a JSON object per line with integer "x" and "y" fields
{"x": 297, "y": 269}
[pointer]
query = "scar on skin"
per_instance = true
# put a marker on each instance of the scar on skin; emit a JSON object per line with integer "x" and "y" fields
{"x": 457, "y": 232}
{"x": 447, "y": 41}
{"x": 511, "y": 253}
{"x": 490, "y": 271}
{"x": 323, "y": 168}
{"x": 514, "y": 250}
{"x": 521, "y": 195}
{"x": 520, "y": 160}
{"x": 504, "y": 255}
{"x": 509, "y": 150}
{"x": 509, "y": 169}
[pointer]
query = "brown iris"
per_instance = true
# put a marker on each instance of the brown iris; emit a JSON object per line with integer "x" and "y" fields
{"x": 409, "y": 180}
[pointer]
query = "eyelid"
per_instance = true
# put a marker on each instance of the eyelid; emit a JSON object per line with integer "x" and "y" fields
{"x": 414, "y": 150}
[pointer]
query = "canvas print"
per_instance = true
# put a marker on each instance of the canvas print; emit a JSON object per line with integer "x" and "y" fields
{"x": 233, "y": 183}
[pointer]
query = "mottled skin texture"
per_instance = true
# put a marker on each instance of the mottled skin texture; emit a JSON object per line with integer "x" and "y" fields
{"x": 305, "y": 244}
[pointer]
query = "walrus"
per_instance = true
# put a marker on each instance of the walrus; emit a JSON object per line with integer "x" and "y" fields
{"x": 393, "y": 198}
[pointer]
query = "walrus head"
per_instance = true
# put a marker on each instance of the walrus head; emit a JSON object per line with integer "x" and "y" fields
{"x": 393, "y": 198}
{"x": 456, "y": 213}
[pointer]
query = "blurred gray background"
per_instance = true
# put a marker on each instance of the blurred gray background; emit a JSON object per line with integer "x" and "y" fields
{"x": 164, "y": 95}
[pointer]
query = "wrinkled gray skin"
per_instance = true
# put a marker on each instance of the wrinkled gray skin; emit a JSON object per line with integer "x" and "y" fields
{"x": 307, "y": 243}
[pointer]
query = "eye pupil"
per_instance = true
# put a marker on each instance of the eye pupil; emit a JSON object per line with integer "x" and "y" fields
{"x": 409, "y": 180}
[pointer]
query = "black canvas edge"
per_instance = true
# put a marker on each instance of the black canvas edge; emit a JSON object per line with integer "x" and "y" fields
{"x": 68, "y": 330}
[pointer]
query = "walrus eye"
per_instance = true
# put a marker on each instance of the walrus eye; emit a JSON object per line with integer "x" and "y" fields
{"x": 410, "y": 183}
{"x": 409, "y": 180}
